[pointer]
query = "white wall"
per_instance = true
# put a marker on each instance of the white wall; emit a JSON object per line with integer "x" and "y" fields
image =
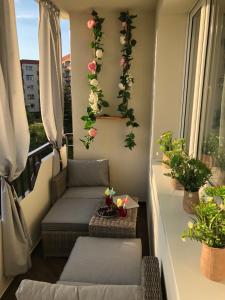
{"x": 128, "y": 169}
{"x": 170, "y": 49}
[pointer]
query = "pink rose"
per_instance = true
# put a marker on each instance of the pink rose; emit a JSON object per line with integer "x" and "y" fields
{"x": 92, "y": 66}
{"x": 90, "y": 24}
{"x": 122, "y": 61}
{"x": 92, "y": 132}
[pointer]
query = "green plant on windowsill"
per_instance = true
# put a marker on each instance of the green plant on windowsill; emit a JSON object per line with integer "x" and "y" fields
{"x": 211, "y": 145}
{"x": 170, "y": 146}
{"x": 208, "y": 225}
{"x": 192, "y": 174}
{"x": 208, "y": 228}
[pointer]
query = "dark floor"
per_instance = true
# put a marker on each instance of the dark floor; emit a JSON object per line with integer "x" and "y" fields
{"x": 49, "y": 269}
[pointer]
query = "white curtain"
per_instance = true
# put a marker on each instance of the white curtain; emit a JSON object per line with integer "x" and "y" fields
{"x": 14, "y": 145}
{"x": 50, "y": 68}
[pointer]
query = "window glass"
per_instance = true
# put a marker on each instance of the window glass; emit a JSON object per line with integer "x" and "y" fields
{"x": 194, "y": 38}
{"x": 212, "y": 141}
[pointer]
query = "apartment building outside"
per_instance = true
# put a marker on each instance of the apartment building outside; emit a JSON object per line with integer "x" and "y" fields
{"x": 30, "y": 74}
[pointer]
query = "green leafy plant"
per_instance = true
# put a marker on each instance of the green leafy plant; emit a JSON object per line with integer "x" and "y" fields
{"x": 170, "y": 146}
{"x": 165, "y": 141}
{"x": 208, "y": 226}
{"x": 96, "y": 96}
{"x": 189, "y": 172}
{"x": 215, "y": 191}
{"x": 211, "y": 145}
{"x": 126, "y": 79}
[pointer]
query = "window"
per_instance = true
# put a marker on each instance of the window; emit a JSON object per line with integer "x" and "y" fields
{"x": 212, "y": 134}
{"x": 30, "y": 87}
{"x": 30, "y": 96}
{"x": 32, "y": 105}
{"x": 194, "y": 37}
{"x": 29, "y": 77}
{"x": 204, "y": 113}
{"x": 28, "y": 68}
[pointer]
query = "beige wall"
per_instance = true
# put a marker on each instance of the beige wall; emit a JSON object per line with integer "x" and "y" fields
{"x": 170, "y": 49}
{"x": 128, "y": 169}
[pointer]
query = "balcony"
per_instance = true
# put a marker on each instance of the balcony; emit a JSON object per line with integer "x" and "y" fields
{"x": 173, "y": 81}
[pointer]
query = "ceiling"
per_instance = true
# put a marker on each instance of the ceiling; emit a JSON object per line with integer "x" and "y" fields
{"x": 68, "y": 6}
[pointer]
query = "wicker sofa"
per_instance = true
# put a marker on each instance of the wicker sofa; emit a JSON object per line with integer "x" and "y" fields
{"x": 101, "y": 269}
{"x": 76, "y": 192}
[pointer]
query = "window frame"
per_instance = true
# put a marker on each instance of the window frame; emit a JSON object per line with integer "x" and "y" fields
{"x": 205, "y": 7}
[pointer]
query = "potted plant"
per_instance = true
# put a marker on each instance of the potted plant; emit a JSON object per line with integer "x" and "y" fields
{"x": 210, "y": 149}
{"x": 208, "y": 227}
{"x": 219, "y": 171}
{"x": 170, "y": 146}
{"x": 192, "y": 174}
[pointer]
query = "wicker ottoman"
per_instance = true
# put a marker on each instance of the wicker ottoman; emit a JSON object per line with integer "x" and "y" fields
{"x": 115, "y": 227}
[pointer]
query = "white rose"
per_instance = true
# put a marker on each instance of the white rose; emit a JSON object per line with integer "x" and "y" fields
{"x": 122, "y": 40}
{"x": 99, "y": 53}
{"x": 94, "y": 107}
{"x": 130, "y": 83}
{"x": 121, "y": 86}
{"x": 93, "y": 97}
{"x": 190, "y": 225}
{"x": 94, "y": 82}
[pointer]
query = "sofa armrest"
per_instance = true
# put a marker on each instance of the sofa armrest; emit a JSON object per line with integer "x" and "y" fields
{"x": 58, "y": 185}
{"x": 151, "y": 278}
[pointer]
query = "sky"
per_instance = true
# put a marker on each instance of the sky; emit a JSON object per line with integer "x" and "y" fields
{"x": 27, "y": 13}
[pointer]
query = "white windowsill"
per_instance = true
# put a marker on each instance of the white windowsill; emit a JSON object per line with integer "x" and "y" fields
{"x": 184, "y": 281}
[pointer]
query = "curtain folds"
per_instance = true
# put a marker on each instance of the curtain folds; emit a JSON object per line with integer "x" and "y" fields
{"x": 50, "y": 70}
{"x": 14, "y": 145}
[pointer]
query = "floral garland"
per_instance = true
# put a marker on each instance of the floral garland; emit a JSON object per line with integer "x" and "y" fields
{"x": 96, "y": 96}
{"x": 126, "y": 79}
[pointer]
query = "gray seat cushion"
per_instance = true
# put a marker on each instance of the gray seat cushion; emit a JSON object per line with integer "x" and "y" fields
{"x": 104, "y": 261}
{"x": 70, "y": 214}
{"x": 85, "y": 192}
{"x": 88, "y": 173}
{"x": 36, "y": 290}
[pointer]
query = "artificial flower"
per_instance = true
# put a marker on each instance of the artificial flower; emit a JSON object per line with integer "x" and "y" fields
{"x": 209, "y": 199}
{"x": 92, "y": 132}
{"x": 99, "y": 53}
{"x": 190, "y": 225}
{"x": 94, "y": 107}
{"x": 125, "y": 200}
{"x": 119, "y": 202}
{"x": 110, "y": 192}
{"x": 122, "y": 61}
{"x": 91, "y": 24}
{"x": 122, "y": 40}
{"x": 121, "y": 86}
{"x": 93, "y": 97}
{"x": 94, "y": 82}
{"x": 124, "y": 24}
{"x": 92, "y": 66}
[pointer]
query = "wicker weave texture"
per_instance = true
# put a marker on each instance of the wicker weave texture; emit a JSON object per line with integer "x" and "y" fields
{"x": 151, "y": 278}
{"x": 114, "y": 227}
{"x": 59, "y": 243}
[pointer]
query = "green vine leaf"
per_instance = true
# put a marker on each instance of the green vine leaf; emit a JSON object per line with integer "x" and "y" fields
{"x": 126, "y": 80}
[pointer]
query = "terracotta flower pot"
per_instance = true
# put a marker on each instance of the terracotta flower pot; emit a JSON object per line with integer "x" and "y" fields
{"x": 165, "y": 158}
{"x": 213, "y": 263}
{"x": 176, "y": 185}
{"x": 190, "y": 200}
